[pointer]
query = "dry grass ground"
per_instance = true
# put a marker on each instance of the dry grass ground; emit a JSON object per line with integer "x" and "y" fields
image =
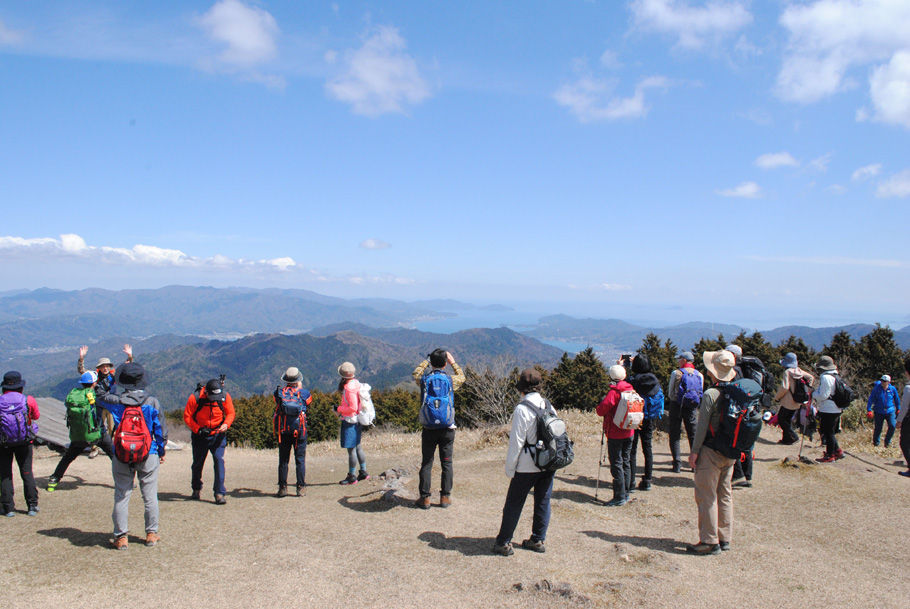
{"x": 808, "y": 536}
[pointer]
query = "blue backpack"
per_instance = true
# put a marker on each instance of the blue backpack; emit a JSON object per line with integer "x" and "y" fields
{"x": 740, "y": 418}
{"x": 437, "y": 409}
{"x": 654, "y": 405}
{"x": 690, "y": 389}
{"x": 290, "y": 411}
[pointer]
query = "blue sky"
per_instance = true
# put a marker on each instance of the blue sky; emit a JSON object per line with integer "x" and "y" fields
{"x": 743, "y": 160}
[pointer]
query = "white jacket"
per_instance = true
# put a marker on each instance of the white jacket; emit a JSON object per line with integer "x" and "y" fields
{"x": 522, "y": 433}
{"x": 823, "y": 394}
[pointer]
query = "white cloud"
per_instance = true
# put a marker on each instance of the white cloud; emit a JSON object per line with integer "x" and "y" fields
{"x": 380, "y": 77}
{"x": 889, "y": 88}
{"x": 897, "y": 185}
{"x": 774, "y": 160}
{"x": 832, "y": 260}
{"x": 836, "y": 189}
{"x": 8, "y": 36}
{"x": 694, "y": 26}
{"x": 746, "y": 190}
{"x": 864, "y": 173}
{"x": 247, "y": 32}
{"x": 615, "y": 287}
{"x": 375, "y": 244}
{"x": 590, "y": 99}
{"x": 821, "y": 163}
{"x": 610, "y": 60}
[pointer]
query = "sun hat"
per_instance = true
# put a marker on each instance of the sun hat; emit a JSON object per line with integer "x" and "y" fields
{"x": 346, "y": 370}
{"x": 104, "y": 362}
{"x": 688, "y": 356}
{"x": 736, "y": 350}
{"x": 12, "y": 381}
{"x": 617, "y": 372}
{"x": 291, "y": 375}
{"x": 720, "y": 364}
{"x": 885, "y": 377}
{"x": 529, "y": 380}
{"x": 826, "y": 364}
{"x": 131, "y": 376}
{"x": 88, "y": 377}
{"x": 213, "y": 390}
{"x": 789, "y": 361}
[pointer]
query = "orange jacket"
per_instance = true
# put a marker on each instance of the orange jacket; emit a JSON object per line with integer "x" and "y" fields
{"x": 211, "y": 416}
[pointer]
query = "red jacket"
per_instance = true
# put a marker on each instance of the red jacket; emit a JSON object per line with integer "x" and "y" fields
{"x": 607, "y": 408}
{"x": 208, "y": 416}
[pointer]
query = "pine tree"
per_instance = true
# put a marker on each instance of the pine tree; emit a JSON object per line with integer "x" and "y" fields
{"x": 663, "y": 358}
{"x": 580, "y": 382}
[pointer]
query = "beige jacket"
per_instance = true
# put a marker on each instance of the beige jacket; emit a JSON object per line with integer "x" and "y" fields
{"x": 783, "y": 395}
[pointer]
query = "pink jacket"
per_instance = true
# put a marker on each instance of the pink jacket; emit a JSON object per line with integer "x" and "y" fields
{"x": 607, "y": 408}
{"x": 350, "y": 400}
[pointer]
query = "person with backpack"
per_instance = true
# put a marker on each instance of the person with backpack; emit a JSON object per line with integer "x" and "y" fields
{"x": 105, "y": 371}
{"x": 85, "y": 427}
{"x": 794, "y": 393}
{"x": 882, "y": 407}
{"x": 209, "y": 413}
{"x": 904, "y": 440}
{"x": 648, "y": 387}
{"x": 828, "y": 411}
{"x": 351, "y": 429}
{"x": 140, "y": 437}
{"x": 523, "y": 470}
{"x": 684, "y": 393}
{"x": 289, "y": 424}
{"x": 437, "y": 418}
{"x": 619, "y": 439}
{"x": 750, "y": 367}
{"x": 17, "y": 430}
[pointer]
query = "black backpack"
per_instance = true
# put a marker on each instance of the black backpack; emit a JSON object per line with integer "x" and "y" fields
{"x": 842, "y": 395}
{"x": 753, "y": 368}
{"x": 553, "y": 450}
{"x": 799, "y": 389}
{"x": 740, "y": 418}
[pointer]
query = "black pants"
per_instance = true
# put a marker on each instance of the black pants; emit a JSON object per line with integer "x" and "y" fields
{"x": 681, "y": 416}
{"x": 620, "y": 453}
{"x": 743, "y": 466}
{"x": 286, "y": 443}
{"x": 905, "y": 441}
{"x": 827, "y": 424}
{"x": 77, "y": 448}
{"x": 644, "y": 433}
{"x": 23, "y": 455}
{"x": 519, "y": 488}
{"x": 785, "y": 420}
{"x": 429, "y": 440}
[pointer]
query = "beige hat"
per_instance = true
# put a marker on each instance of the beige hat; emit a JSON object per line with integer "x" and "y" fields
{"x": 346, "y": 370}
{"x": 617, "y": 372}
{"x": 825, "y": 364}
{"x": 292, "y": 375}
{"x": 720, "y": 364}
{"x": 103, "y": 362}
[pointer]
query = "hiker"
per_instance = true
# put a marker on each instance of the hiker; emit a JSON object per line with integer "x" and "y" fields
{"x": 351, "y": 430}
{"x": 713, "y": 470}
{"x": 85, "y": 427}
{"x": 139, "y": 447}
{"x": 794, "y": 393}
{"x": 209, "y": 413}
{"x": 828, "y": 412}
{"x": 524, "y": 474}
{"x": 105, "y": 371}
{"x": 752, "y": 368}
{"x": 619, "y": 440}
{"x": 17, "y": 429}
{"x": 289, "y": 424}
{"x": 905, "y": 405}
{"x": 437, "y": 417}
{"x": 684, "y": 392}
{"x": 882, "y": 407}
{"x": 648, "y": 387}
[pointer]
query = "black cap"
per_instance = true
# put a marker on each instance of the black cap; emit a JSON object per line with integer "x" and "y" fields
{"x": 214, "y": 391}
{"x": 130, "y": 376}
{"x": 12, "y": 381}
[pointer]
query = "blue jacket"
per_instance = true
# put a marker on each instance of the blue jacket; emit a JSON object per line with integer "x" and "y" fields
{"x": 883, "y": 402}
{"x": 115, "y": 404}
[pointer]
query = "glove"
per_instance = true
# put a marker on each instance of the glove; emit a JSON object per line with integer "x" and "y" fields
{"x": 869, "y": 414}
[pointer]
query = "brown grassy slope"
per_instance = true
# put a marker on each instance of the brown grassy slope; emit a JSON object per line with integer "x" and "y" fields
{"x": 820, "y": 536}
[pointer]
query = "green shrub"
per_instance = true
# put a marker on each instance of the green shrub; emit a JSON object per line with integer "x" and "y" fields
{"x": 397, "y": 408}
{"x": 854, "y": 416}
{"x": 253, "y": 422}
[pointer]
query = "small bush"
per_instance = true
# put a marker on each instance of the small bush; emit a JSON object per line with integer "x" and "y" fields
{"x": 854, "y": 416}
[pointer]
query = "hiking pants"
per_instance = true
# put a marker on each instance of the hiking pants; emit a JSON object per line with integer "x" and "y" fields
{"x": 620, "y": 453}
{"x": 644, "y": 433}
{"x": 827, "y": 426}
{"x": 147, "y": 472}
{"x": 714, "y": 496}
{"x": 77, "y": 448}
{"x": 743, "y": 466}
{"x": 785, "y": 420}
{"x": 520, "y": 486}
{"x": 23, "y": 455}
{"x": 288, "y": 442}
{"x": 681, "y": 416}
{"x": 905, "y": 441}
{"x": 202, "y": 445}
{"x": 878, "y": 422}
{"x": 429, "y": 440}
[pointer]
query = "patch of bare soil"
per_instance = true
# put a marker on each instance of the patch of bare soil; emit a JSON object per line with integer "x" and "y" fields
{"x": 831, "y": 535}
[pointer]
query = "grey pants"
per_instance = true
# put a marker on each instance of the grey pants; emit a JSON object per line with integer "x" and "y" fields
{"x": 147, "y": 472}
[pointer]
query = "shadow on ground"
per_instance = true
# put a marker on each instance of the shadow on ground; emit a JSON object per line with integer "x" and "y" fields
{"x": 85, "y": 539}
{"x": 70, "y": 482}
{"x": 378, "y": 503}
{"x": 467, "y": 546}
{"x": 659, "y": 544}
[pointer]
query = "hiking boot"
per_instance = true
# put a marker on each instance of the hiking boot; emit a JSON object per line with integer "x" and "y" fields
{"x": 423, "y": 503}
{"x": 363, "y": 475}
{"x": 9, "y": 514}
{"x": 52, "y": 483}
{"x": 535, "y": 545}
{"x": 349, "y": 479}
{"x": 94, "y": 452}
{"x": 676, "y": 467}
{"x": 746, "y": 483}
{"x": 301, "y": 491}
{"x": 840, "y": 454}
{"x": 702, "y": 549}
{"x": 220, "y": 500}
{"x": 724, "y": 546}
{"x": 826, "y": 458}
{"x": 151, "y": 539}
{"x": 905, "y": 474}
{"x": 616, "y": 502}
{"x": 644, "y": 485}
{"x": 33, "y": 510}
{"x": 282, "y": 491}
{"x": 120, "y": 543}
{"x": 444, "y": 501}
{"x": 503, "y": 549}
{"x": 196, "y": 496}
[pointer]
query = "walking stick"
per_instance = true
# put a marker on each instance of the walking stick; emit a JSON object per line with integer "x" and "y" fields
{"x": 808, "y": 406}
{"x": 600, "y": 463}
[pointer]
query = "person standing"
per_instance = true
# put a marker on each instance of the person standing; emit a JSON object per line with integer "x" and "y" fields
{"x": 17, "y": 429}
{"x": 524, "y": 475}
{"x": 437, "y": 392}
{"x": 619, "y": 440}
{"x": 828, "y": 412}
{"x": 209, "y": 413}
{"x": 648, "y": 387}
{"x": 684, "y": 392}
{"x": 351, "y": 430}
{"x": 794, "y": 383}
{"x": 105, "y": 371}
{"x": 905, "y": 405}
{"x": 882, "y": 407}
{"x": 289, "y": 423}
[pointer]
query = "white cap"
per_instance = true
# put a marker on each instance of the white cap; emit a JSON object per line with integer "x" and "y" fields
{"x": 886, "y": 378}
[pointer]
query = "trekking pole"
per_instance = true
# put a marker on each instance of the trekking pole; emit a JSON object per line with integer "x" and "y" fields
{"x": 600, "y": 462}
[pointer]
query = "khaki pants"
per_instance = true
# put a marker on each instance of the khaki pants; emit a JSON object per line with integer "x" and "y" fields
{"x": 714, "y": 496}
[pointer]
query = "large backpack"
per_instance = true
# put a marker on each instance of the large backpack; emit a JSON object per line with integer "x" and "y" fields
{"x": 740, "y": 418}
{"x": 367, "y": 413}
{"x": 753, "y": 368}
{"x": 437, "y": 408}
{"x": 691, "y": 388}
{"x": 81, "y": 417}
{"x": 15, "y": 425}
{"x": 132, "y": 438}
{"x": 654, "y": 405}
{"x": 630, "y": 411}
{"x": 553, "y": 449}
{"x": 290, "y": 411}
{"x": 799, "y": 389}
{"x": 842, "y": 395}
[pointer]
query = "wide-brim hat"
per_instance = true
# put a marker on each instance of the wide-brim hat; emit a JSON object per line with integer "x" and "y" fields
{"x": 688, "y": 356}
{"x": 291, "y": 375}
{"x": 529, "y": 380}
{"x": 12, "y": 381}
{"x": 346, "y": 370}
{"x": 104, "y": 361}
{"x": 825, "y": 363}
{"x": 720, "y": 364}
{"x": 789, "y": 361}
{"x": 131, "y": 376}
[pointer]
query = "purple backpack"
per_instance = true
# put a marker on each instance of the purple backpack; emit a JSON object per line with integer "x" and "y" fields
{"x": 15, "y": 426}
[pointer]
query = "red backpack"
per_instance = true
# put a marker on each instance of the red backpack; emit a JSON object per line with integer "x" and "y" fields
{"x": 132, "y": 439}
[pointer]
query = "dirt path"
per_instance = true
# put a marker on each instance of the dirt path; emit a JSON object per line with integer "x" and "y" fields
{"x": 819, "y": 536}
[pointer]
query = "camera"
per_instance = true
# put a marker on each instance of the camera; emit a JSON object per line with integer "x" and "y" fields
{"x": 626, "y": 360}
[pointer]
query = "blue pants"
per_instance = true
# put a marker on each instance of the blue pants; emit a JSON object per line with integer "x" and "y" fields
{"x": 519, "y": 488}
{"x": 878, "y": 421}
{"x": 202, "y": 445}
{"x": 287, "y": 442}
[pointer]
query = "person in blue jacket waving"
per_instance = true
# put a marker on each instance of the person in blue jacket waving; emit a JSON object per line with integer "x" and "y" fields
{"x": 883, "y": 406}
